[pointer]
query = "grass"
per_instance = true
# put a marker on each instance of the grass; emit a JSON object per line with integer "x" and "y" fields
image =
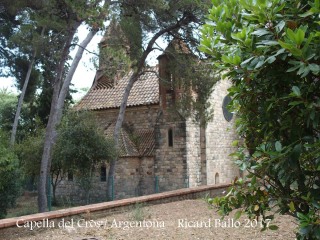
{"x": 25, "y": 205}
{"x": 28, "y": 204}
{"x": 139, "y": 212}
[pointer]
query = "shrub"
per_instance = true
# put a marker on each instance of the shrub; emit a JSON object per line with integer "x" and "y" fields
{"x": 270, "y": 50}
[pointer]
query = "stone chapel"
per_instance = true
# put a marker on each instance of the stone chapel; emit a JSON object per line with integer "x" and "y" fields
{"x": 160, "y": 151}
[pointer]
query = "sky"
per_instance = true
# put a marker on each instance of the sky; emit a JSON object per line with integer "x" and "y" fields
{"x": 85, "y": 72}
{"x": 84, "y": 75}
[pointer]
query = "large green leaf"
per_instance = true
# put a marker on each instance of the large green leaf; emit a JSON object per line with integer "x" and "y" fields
{"x": 296, "y": 91}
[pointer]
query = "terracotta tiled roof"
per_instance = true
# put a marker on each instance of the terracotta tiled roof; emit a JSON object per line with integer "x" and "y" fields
{"x": 139, "y": 143}
{"x": 145, "y": 91}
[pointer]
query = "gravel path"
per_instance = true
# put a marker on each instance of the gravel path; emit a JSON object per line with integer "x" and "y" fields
{"x": 189, "y": 219}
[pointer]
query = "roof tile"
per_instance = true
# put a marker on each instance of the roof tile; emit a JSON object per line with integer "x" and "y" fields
{"x": 139, "y": 143}
{"x": 145, "y": 91}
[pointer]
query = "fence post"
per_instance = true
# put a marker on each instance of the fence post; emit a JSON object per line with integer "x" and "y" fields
{"x": 112, "y": 188}
{"x": 156, "y": 184}
{"x": 49, "y": 193}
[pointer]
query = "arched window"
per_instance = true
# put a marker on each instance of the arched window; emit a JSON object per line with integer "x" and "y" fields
{"x": 216, "y": 178}
{"x": 170, "y": 137}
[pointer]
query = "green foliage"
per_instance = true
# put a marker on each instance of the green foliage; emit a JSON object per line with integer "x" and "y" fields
{"x": 270, "y": 50}
{"x": 8, "y": 104}
{"x": 193, "y": 82}
{"x": 82, "y": 147}
{"x": 29, "y": 152}
{"x": 6, "y": 29}
{"x": 132, "y": 29}
{"x": 9, "y": 176}
{"x": 114, "y": 59}
{"x": 28, "y": 30}
{"x": 81, "y": 143}
{"x": 20, "y": 71}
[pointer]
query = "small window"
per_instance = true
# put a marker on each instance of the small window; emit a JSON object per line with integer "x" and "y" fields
{"x": 170, "y": 138}
{"x": 70, "y": 176}
{"x": 103, "y": 174}
{"x": 216, "y": 178}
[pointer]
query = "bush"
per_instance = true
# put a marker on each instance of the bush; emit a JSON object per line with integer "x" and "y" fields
{"x": 270, "y": 50}
{"x": 9, "y": 176}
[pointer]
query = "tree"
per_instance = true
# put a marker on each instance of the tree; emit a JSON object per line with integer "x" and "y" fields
{"x": 7, "y": 21}
{"x": 74, "y": 16}
{"x": 26, "y": 28}
{"x": 20, "y": 102}
{"x": 20, "y": 57}
{"x": 82, "y": 147}
{"x": 25, "y": 33}
{"x": 60, "y": 19}
{"x": 193, "y": 81}
{"x": 9, "y": 176}
{"x": 149, "y": 21}
{"x": 36, "y": 41}
{"x": 270, "y": 51}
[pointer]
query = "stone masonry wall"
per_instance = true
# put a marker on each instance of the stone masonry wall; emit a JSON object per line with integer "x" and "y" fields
{"x": 219, "y": 136}
{"x": 203, "y": 156}
{"x": 134, "y": 177}
{"x": 170, "y": 161}
{"x": 193, "y": 153}
{"x": 70, "y": 192}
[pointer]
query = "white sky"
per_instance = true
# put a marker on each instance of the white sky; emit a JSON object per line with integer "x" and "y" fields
{"x": 85, "y": 72}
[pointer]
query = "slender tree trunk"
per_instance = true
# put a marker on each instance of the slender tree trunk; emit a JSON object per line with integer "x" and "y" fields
{"x": 73, "y": 68}
{"x": 50, "y": 129}
{"x": 117, "y": 132}
{"x": 120, "y": 118}
{"x": 138, "y": 72}
{"x": 54, "y": 120}
{"x": 23, "y": 92}
{"x": 20, "y": 102}
{"x": 60, "y": 91}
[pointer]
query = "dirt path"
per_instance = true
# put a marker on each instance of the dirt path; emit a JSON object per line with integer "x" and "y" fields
{"x": 189, "y": 219}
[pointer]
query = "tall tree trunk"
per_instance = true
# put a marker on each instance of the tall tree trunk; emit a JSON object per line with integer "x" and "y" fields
{"x": 23, "y": 93}
{"x": 50, "y": 129}
{"x": 60, "y": 92}
{"x": 20, "y": 102}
